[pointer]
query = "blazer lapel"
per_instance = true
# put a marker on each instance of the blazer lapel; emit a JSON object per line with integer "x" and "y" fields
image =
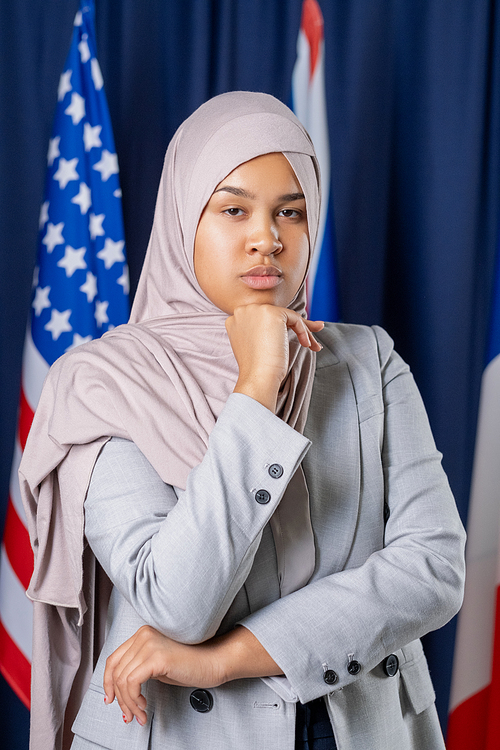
{"x": 332, "y": 466}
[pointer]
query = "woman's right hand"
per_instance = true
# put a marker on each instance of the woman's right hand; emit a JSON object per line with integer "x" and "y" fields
{"x": 259, "y": 338}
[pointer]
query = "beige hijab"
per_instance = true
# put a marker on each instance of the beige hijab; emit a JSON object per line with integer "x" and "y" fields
{"x": 161, "y": 381}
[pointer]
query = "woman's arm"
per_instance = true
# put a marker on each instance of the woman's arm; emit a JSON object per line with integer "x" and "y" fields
{"x": 410, "y": 587}
{"x": 149, "y": 654}
{"x": 180, "y": 563}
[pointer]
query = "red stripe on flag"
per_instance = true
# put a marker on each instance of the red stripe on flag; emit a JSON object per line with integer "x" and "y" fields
{"x": 17, "y": 545}
{"x": 15, "y": 667}
{"x": 493, "y": 720}
{"x": 312, "y": 26}
{"x": 26, "y": 415}
{"x": 467, "y": 725}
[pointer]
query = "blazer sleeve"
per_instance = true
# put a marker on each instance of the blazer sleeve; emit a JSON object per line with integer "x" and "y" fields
{"x": 410, "y": 587}
{"x": 180, "y": 561}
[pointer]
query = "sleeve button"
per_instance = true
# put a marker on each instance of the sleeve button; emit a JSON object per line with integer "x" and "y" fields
{"x": 330, "y": 677}
{"x": 276, "y": 471}
{"x": 262, "y": 496}
{"x": 354, "y": 667}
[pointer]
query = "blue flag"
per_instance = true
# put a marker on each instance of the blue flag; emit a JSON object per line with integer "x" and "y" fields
{"x": 81, "y": 279}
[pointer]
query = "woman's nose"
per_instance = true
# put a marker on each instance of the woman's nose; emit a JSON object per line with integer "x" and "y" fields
{"x": 264, "y": 239}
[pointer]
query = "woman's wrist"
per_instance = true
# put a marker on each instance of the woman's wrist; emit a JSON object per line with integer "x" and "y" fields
{"x": 264, "y": 392}
{"x": 240, "y": 655}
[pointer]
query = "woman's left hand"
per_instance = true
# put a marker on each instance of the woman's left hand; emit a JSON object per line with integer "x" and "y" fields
{"x": 149, "y": 654}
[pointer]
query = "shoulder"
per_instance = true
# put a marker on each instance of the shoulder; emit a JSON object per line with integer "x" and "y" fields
{"x": 351, "y": 342}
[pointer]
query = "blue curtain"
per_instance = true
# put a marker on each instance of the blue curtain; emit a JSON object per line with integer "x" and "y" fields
{"x": 413, "y": 105}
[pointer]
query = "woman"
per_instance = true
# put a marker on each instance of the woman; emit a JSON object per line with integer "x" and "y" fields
{"x": 271, "y": 510}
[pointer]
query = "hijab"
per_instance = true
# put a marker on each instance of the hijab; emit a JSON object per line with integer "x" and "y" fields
{"x": 172, "y": 365}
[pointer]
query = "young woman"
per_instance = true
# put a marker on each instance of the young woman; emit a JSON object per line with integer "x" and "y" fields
{"x": 262, "y": 491}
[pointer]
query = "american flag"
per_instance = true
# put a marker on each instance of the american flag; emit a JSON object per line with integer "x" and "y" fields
{"x": 309, "y": 104}
{"x": 80, "y": 290}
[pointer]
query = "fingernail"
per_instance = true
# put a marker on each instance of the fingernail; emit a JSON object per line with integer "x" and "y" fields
{"x": 139, "y": 721}
{"x": 105, "y": 699}
{"x": 124, "y": 718}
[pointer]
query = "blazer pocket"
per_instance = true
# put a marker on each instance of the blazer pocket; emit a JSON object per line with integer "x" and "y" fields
{"x": 416, "y": 678}
{"x": 104, "y": 724}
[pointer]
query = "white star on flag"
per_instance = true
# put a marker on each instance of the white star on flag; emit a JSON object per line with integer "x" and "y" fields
{"x": 90, "y": 287}
{"x": 117, "y": 193}
{"x": 64, "y": 85}
{"x": 41, "y": 300}
{"x": 112, "y": 252}
{"x": 83, "y": 198}
{"x": 91, "y": 136}
{"x": 83, "y": 49}
{"x": 95, "y": 72}
{"x": 59, "y": 323}
{"x": 78, "y": 19}
{"x": 53, "y": 236}
{"x": 77, "y": 340}
{"x": 124, "y": 281}
{"x": 73, "y": 260}
{"x": 95, "y": 225}
{"x": 100, "y": 314}
{"x": 66, "y": 171}
{"x": 44, "y": 214}
{"x": 77, "y": 108}
{"x": 53, "y": 151}
{"x": 107, "y": 166}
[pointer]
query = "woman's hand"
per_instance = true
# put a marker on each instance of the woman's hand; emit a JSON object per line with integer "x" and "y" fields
{"x": 149, "y": 654}
{"x": 259, "y": 339}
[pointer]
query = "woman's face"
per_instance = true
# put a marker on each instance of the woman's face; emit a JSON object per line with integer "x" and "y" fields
{"x": 252, "y": 241}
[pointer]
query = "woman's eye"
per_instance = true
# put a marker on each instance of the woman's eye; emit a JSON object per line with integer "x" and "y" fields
{"x": 233, "y": 211}
{"x": 289, "y": 213}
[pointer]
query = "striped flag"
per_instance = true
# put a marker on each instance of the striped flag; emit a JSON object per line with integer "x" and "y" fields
{"x": 309, "y": 104}
{"x": 80, "y": 290}
{"x": 474, "y": 722}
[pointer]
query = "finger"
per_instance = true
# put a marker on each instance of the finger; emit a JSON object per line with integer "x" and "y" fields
{"x": 300, "y": 327}
{"x": 314, "y": 325}
{"x": 112, "y": 663}
{"x": 128, "y": 688}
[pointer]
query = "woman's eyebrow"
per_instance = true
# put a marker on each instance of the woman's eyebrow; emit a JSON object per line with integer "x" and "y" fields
{"x": 245, "y": 194}
{"x": 291, "y": 197}
{"x": 236, "y": 191}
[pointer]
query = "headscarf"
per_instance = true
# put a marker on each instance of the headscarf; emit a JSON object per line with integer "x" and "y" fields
{"x": 160, "y": 381}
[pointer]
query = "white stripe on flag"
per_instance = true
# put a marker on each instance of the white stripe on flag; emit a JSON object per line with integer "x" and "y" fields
{"x": 474, "y": 644}
{"x": 15, "y": 492}
{"x": 16, "y": 608}
{"x": 35, "y": 369}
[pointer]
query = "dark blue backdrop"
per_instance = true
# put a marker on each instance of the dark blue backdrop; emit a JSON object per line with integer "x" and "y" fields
{"x": 413, "y": 102}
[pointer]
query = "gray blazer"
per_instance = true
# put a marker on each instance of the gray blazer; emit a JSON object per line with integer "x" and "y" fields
{"x": 389, "y": 564}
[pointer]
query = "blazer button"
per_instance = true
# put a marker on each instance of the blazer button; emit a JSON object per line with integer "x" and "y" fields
{"x": 354, "y": 667}
{"x": 262, "y": 496}
{"x": 390, "y": 665}
{"x": 330, "y": 677}
{"x": 276, "y": 471}
{"x": 201, "y": 701}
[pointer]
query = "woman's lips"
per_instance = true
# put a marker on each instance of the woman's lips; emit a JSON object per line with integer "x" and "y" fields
{"x": 261, "y": 282}
{"x": 262, "y": 277}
